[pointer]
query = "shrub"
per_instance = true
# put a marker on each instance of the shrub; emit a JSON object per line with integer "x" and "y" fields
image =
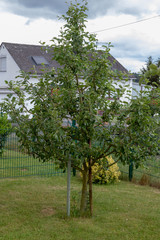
{"x": 5, "y": 128}
{"x": 103, "y": 174}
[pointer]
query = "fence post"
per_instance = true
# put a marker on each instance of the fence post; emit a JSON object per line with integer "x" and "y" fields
{"x": 68, "y": 186}
{"x": 74, "y": 125}
{"x": 131, "y": 171}
{"x": 74, "y": 172}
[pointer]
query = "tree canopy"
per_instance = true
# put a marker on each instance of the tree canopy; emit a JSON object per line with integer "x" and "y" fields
{"x": 151, "y": 73}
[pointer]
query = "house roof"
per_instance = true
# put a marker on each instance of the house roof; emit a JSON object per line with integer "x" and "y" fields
{"x": 26, "y": 56}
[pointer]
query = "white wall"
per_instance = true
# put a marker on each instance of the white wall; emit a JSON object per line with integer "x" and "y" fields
{"x": 4, "y": 91}
{"x": 128, "y": 84}
{"x": 12, "y": 69}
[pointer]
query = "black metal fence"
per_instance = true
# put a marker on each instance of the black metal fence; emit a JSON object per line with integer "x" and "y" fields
{"x": 148, "y": 174}
{"x": 15, "y": 163}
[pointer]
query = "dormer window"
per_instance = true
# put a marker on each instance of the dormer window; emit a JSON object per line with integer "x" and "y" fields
{"x": 39, "y": 60}
{"x": 3, "y": 64}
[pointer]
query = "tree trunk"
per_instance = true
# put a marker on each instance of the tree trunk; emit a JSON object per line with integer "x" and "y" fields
{"x": 84, "y": 192}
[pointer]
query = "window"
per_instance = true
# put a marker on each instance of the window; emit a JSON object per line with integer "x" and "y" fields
{"x": 39, "y": 60}
{"x": 3, "y": 64}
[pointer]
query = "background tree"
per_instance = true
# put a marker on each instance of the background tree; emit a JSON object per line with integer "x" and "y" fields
{"x": 150, "y": 73}
{"x": 5, "y": 128}
{"x": 75, "y": 92}
{"x": 137, "y": 77}
{"x": 151, "y": 76}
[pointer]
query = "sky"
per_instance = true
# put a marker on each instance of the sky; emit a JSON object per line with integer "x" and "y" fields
{"x": 32, "y": 21}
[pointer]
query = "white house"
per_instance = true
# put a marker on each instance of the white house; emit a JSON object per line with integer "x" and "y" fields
{"x": 16, "y": 57}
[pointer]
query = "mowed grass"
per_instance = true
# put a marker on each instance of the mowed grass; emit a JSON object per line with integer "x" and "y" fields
{"x": 34, "y": 208}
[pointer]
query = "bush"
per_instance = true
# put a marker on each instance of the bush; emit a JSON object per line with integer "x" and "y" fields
{"x": 103, "y": 174}
{"x": 5, "y": 128}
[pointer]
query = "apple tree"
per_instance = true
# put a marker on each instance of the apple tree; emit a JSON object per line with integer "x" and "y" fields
{"x": 76, "y": 92}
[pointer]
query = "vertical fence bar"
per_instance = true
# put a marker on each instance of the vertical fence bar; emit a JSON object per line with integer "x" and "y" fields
{"x": 74, "y": 125}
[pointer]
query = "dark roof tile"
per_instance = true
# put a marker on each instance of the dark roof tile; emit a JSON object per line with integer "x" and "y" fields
{"x": 23, "y": 55}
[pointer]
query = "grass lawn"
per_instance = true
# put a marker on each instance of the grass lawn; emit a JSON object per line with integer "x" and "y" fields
{"x": 34, "y": 208}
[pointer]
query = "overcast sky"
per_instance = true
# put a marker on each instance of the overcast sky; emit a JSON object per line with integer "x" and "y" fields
{"x": 31, "y": 21}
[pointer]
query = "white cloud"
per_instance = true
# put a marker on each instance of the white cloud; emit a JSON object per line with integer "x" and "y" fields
{"x": 135, "y": 42}
{"x": 16, "y": 29}
{"x": 131, "y": 64}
